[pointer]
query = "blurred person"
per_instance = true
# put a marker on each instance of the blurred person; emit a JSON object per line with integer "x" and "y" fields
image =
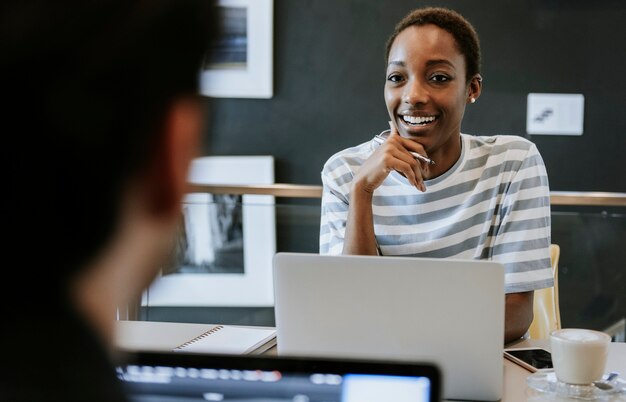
{"x": 102, "y": 117}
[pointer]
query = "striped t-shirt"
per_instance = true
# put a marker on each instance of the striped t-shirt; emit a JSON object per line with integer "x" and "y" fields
{"x": 493, "y": 204}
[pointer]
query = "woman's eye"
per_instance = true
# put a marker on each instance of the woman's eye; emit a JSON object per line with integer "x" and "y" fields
{"x": 440, "y": 78}
{"x": 394, "y": 78}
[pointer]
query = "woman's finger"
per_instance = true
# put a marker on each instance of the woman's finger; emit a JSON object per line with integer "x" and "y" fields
{"x": 392, "y": 129}
{"x": 412, "y": 171}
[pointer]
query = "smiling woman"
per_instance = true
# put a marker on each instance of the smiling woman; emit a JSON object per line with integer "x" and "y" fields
{"x": 483, "y": 198}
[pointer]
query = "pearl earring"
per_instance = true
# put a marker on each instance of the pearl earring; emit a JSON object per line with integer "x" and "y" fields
{"x": 472, "y": 100}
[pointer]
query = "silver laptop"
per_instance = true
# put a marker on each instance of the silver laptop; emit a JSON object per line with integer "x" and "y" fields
{"x": 445, "y": 311}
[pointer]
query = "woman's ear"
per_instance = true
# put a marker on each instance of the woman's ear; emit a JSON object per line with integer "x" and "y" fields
{"x": 168, "y": 175}
{"x": 474, "y": 88}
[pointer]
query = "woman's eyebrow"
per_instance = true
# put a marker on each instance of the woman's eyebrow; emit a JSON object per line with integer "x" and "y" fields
{"x": 435, "y": 62}
{"x": 429, "y": 63}
{"x": 399, "y": 63}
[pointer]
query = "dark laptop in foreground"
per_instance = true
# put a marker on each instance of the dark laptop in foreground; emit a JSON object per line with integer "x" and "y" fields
{"x": 450, "y": 312}
{"x": 169, "y": 377}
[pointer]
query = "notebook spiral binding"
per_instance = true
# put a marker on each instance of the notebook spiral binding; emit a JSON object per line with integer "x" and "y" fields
{"x": 197, "y": 338}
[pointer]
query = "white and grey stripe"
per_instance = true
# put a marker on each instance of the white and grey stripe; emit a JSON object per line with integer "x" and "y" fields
{"x": 492, "y": 204}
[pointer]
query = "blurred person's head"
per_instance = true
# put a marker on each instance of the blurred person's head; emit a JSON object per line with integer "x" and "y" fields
{"x": 103, "y": 119}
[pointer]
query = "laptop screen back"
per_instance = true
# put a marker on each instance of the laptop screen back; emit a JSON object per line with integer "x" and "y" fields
{"x": 152, "y": 377}
{"x": 446, "y": 311}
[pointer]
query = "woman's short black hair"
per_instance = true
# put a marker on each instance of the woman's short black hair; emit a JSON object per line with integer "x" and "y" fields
{"x": 451, "y": 21}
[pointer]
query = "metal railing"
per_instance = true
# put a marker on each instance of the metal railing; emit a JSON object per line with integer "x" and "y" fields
{"x": 580, "y": 198}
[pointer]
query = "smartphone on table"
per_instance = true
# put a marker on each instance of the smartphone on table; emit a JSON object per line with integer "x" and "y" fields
{"x": 532, "y": 359}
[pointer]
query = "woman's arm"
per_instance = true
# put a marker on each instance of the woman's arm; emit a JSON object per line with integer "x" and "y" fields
{"x": 391, "y": 155}
{"x": 360, "y": 238}
{"x": 522, "y": 241}
{"x": 518, "y": 315}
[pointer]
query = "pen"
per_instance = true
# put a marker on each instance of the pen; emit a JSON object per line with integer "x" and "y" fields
{"x": 380, "y": 139}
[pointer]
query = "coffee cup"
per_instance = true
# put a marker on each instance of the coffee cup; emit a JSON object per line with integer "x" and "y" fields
{"x": 579, "y": 355}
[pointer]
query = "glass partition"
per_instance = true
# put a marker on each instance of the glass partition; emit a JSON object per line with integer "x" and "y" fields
{"x": 592, "y": 268}
{"x": 220, "y": 266}
{"x": 223, "y": 254}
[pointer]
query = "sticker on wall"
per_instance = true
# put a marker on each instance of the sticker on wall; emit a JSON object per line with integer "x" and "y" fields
{"x": 555, "y": 114}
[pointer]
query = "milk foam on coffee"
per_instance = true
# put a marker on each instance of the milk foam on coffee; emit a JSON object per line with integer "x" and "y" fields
{"x": 581, "y": 336}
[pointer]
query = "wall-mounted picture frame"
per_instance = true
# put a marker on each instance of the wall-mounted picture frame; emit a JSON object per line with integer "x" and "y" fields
{"x": 224, "y": 254}
{"x": 240, "y": 63}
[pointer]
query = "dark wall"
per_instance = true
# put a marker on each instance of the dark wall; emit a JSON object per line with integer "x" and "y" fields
{"x": 328, "y": 95}
{"x": 329, "y": 75}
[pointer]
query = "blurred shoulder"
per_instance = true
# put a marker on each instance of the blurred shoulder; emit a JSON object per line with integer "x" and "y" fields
{"x": 352, "y": 157}
{"x": 497, "y": 144}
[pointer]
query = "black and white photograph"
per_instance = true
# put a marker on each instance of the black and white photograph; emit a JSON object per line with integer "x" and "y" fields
{"x": 223, "y": 251}
{"x": 239, "y": 63}
{"x": 210, "y": 238}
{"x": 230, "y": 49}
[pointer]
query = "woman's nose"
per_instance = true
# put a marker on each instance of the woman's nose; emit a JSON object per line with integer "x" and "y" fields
{"x": 415, "y": 93}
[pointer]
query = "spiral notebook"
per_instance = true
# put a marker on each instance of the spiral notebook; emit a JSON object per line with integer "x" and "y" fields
{"x": 193, "y": 338}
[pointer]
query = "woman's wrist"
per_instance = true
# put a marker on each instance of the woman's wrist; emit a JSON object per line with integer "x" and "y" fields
{"x": 361, "y": 190}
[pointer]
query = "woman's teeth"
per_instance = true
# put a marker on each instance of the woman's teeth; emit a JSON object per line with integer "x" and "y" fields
{"x": 417, "y": 119}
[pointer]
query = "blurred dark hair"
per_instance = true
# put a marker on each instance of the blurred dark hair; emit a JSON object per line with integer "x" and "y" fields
{"x": 449, "y": 20}
{"x": 87, "y": 84}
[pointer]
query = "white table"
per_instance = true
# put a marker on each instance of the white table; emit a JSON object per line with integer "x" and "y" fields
{"x": 161, "y": 336}
{"x": 516, "y": 390}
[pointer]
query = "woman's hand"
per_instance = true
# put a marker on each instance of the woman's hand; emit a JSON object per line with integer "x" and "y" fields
{"x": 393, "y": 154}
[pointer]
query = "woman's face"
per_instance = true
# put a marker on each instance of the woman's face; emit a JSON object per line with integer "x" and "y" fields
{"x": 426, "y": 89}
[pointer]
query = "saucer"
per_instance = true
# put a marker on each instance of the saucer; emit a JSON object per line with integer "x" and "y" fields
{"x": 545, "y": 381}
